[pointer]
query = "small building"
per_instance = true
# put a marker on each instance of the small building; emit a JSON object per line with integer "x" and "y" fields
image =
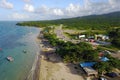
{"x": 101, "y": 37}
{"x": 87, "y": 64}
{"x": 87, "y": 67}
{"x": 90, "y": 71}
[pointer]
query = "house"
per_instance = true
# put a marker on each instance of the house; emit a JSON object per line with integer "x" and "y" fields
{"x": 87, "y": 67}
{"x": 90, "y": 71}
{"x": 101, "y": 37}
{"x": 87, "y": 64}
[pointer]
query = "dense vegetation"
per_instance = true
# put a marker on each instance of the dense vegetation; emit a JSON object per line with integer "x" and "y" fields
{"x": 115, "y": 36}
{"x": 94, "y": 22}
{"x": 107, "y": 66}
{"x": 72, "y": 52}
{"x": 81, "y": 52}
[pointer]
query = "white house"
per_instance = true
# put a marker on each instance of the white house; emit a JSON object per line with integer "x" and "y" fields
{"x": 103, "y": 37}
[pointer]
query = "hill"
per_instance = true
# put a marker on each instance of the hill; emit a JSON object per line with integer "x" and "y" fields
{"x": 94, "y": 22}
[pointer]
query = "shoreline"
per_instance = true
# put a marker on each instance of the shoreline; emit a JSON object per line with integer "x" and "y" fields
{"x": 34, "y": 71}
{"x": 49, "y": 65}
{"x": 37, "y": 68}
{"x": 38, "y": 61}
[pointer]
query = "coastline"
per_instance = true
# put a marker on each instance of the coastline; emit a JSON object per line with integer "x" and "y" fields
{"x": 49, "y": 65}
{"x": 38, "y": 58}
{"x": 34, "y": 71}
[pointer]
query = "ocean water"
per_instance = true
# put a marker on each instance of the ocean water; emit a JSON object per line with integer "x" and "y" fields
{"x": 13, "y": 40}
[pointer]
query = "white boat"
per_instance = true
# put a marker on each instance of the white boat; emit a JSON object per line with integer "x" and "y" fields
{"x": 9, "y": 58}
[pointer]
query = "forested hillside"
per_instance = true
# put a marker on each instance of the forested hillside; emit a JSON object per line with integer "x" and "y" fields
{"x": 101, "y": 22}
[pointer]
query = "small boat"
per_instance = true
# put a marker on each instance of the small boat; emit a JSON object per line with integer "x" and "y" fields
{"x": 24, "y": 51}
{"x": 9, "y": 58}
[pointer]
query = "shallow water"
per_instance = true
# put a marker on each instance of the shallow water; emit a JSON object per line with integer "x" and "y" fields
{"x": 13, "y": 40}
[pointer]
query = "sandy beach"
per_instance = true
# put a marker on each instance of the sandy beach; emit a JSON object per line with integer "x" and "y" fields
{"x": 51, "y": 67}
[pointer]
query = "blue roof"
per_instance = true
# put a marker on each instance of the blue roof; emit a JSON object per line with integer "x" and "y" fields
{"x": 87, "y": 64}
{"x": 104, "y": 59}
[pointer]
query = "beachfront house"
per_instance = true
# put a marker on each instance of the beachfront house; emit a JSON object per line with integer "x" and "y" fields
{"x": 87, "y": 67}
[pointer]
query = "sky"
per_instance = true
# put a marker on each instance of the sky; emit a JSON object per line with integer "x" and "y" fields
{"x": 26, "y": 10}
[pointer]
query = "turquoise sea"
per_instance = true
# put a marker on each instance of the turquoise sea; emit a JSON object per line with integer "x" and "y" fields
{"x": 13, "y": 40}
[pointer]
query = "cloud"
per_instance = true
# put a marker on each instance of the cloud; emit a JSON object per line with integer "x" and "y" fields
{"x": 89, "y": 7}
{"x": 29, "y": 8}
{"x": 114, "y": 3}
{"x": 73, "y": 10}
{"x": 26, "y": 0}
{"x": 42, "y": 10}
{"x": 49, "y": 11}
{"x": 58, "y": 12}
{"x": 6, "y": 4}
{"x": 18, "y": 16}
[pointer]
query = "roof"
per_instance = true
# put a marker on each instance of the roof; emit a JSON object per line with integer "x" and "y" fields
{"x": 104, "y": 59}
{"x": 87, "y": 64}
{"x": 90, "y": 70}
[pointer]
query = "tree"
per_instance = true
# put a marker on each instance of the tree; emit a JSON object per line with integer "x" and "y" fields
{"x": 115, "y": 36}
{"x": 103, "y": 67}
{"x": 90, "y": 55}
{"x": 114, "y": 62}
{"x": 67, "y": 58}
{"x": 116, "y": 42}
{"x": 85, "y": 46}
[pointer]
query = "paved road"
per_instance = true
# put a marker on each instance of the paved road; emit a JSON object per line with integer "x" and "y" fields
{"x": 60, "y": 34}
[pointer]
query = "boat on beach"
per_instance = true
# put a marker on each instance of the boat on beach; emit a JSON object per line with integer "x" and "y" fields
{"x": 9, "y": 58}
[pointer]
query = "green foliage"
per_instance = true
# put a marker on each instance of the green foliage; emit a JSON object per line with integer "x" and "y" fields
{"x": 108, "y": 65}
{"x": 77, "y": 52}
{"x": 115, "y": 36}
{"x": 103, "y": 67}
{"x": 52, "y": 38}
{"x": 85, "y": 46}
{"x": 90, "y": 55}
{"x": 114, "y": 62}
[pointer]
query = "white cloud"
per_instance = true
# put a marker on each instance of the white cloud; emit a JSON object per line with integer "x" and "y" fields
{"x": 49, "y": 11}
{"x": 42, "y": 10}
{"x": 6, "y": 4}
{"x": 29, "y": 8}
{"x": 73, "y": 8}
{"x": 26, "y": 0}
{"x": 18, "y": 16}
{"x": 89, "y": 7}
{"x": 114, "y": 3}
{"x": 58, "y": 12}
